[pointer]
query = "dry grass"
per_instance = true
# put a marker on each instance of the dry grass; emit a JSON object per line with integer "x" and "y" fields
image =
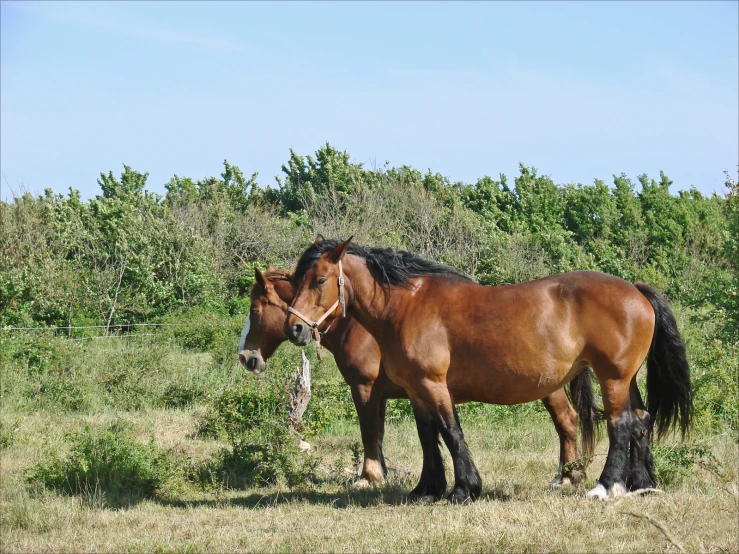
{"x": 515, "y": 513}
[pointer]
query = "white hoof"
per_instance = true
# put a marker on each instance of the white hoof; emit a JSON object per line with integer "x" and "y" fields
{"x": 597, "y": 493}
{"x": 372, "y": 471}
{"x": 616, "y": 491}
{"x": 361, "y": 484}
{"x": 600, "y": 493}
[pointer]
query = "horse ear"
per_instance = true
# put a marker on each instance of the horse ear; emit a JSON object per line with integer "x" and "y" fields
{"x": 319, "y": 238}
{"x": 271, "y": 268}
{"x": 260, "y": 279}
{"x": 336, "y": 254}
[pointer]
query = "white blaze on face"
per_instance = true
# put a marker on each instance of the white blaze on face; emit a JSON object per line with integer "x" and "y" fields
{"x": 244, "y": 333}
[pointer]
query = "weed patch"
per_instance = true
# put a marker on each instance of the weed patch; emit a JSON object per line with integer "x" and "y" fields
{"x": 106, "y": 465}
{"x": 178, "y": 395}
{"x": 7, "y": 435}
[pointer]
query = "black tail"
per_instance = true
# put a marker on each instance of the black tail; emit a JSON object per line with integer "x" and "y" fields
{"x": 589, "y": 414}
{"x": 669, "y": 394}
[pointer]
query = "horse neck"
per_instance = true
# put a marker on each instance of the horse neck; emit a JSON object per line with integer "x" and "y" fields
{"x": 336, "y": 335}
{"x": 369, "y": 301}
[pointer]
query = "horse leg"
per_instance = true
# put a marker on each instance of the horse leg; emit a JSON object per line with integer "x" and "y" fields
{"x": 565, "y": 420}
{"x": 432, "y": 484}
{"x": 381, "y": 434}
{"x": 641, "y": 474}
{"x": 434, "y": 402}
{"x": 620, "y": 421}
{"x": 467, "y": 482}
{"x": 368, "y": 401}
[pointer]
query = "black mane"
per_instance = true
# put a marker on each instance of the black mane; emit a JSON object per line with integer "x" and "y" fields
{"x": 391, "y": 267}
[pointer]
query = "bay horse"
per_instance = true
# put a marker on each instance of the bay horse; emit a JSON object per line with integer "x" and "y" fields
{"x": 358, "y": 358}
{"x": 445, "y": 339}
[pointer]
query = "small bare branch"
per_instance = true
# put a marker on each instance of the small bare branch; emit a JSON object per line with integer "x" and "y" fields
{"x": 659, "y": 525}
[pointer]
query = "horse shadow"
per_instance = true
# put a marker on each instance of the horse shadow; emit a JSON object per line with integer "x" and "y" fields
{"x": 385, "y": 495}
{"x": 391, "y": 495}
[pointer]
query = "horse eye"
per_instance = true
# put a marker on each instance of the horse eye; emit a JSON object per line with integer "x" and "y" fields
{"x": 255, "y": 311}
{"x": 321, "y": 281}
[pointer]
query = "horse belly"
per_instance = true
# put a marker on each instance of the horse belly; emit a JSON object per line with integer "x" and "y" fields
{"x": 521, "y": 377}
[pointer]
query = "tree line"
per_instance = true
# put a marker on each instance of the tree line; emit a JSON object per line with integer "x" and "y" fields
{"x": 129, "y": 255}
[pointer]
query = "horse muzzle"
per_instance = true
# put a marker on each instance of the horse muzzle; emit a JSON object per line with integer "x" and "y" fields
{"x": 299, "y": 332}
{"x": 252, "y": 361}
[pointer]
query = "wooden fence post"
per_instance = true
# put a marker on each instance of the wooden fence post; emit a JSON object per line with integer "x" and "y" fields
{"x": 299, "y": 398}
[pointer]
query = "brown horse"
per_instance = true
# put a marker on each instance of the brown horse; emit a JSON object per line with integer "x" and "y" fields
{"x": 355, "y": 351}
{"x": 358, "y": 358}
{"x": 445, "y": 339}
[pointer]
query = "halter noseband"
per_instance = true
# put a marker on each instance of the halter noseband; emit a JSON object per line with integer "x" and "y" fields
{"x": 314, "y": 324}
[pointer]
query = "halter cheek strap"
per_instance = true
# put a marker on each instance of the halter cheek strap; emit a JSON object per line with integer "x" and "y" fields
{"x": 314, "y": 324}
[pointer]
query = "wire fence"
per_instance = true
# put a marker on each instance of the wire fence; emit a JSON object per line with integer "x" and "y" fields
{"x": 116, "y": 334}
{"x": 116, "y": 325}
{"x": 137, "y": 335}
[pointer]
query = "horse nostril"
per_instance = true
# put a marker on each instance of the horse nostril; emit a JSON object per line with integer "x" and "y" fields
{"x": 251, "y": 363}
{"x": 297, "y": 329}
{"x": 242, "y": 360}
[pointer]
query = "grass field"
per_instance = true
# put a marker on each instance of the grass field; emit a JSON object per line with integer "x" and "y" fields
{"x": 697, "y": 510}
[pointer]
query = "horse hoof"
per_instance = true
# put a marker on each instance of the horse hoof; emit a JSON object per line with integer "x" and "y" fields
{"x": 597, "y": 493}
{"x": 576, "y": 476}
{"x": 636, "y": 481}
{"x": 421, "y": 499}
{"x": 459, "y": 496}
{"x": 361, "y": 484}
{"x": 616, "y": 490}
{"x": 560, "y": 483}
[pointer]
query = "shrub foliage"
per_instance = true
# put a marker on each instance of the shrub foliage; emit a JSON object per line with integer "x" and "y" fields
{"x": 110, "y": 464}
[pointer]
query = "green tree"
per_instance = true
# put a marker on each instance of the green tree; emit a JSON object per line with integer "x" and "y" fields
{"x": 590, "y": 211}
{"x": 493, "y": 200}
{"x": 330, "y": 171}
{"x": 628, "y": 209}
{"x": 131, "y": 183}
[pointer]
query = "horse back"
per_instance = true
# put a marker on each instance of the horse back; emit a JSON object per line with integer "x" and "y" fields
{"x": 521, "y": 342}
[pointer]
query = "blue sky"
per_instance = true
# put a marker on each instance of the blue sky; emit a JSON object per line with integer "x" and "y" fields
{"x": 581, "y": 90}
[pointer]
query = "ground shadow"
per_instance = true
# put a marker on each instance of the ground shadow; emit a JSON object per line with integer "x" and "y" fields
{"x": 392, "y": 495}
{"x": 385, "y": 495}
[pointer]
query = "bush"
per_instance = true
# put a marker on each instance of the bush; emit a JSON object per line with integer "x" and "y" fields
{"x": 715, "y": 368}
{"x": 203, "y": 331}
{"x": 478, "y": 412}
{"x": 253, "y": 418}
{"x": 60, "y": 391}
{"x": 249, "y": 404}
{"x": 260, "y": 456}
{"x": 329, "y": 402}
{"x": 109, "y": 463}
{"x": 398, "y": 410}
{"x": 43, "y": 369}
{"x": 675, "y": 462}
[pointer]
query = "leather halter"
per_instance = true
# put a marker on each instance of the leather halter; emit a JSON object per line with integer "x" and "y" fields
{"x": 314, "y": 324}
